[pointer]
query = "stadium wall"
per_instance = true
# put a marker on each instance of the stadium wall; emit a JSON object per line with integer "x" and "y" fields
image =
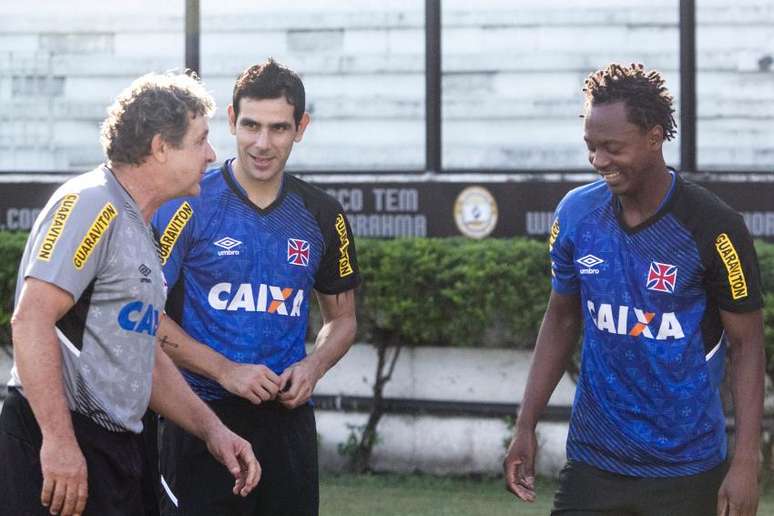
{"x": 431, "y": 443}
{"x": 512, "y": 74}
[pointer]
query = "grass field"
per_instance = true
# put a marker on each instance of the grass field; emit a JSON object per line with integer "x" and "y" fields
{"x": 415, "y": 495}
{"x": 423, "y": 495}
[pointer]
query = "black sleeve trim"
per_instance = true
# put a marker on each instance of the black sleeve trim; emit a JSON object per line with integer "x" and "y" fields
{"x": 175, "y": 299}
{"x": 73, "y": 323}
{"x": 338, "y": 270}
{"x": 731, "y": 276}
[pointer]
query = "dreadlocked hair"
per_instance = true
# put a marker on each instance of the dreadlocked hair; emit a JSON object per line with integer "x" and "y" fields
{"x": 648, "y": 102}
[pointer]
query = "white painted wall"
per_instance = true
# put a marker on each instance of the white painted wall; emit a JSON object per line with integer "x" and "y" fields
{"x": 513, "y": 71}
{"x": 448, "y": 445}
{"x": 435, "y": 373}
{"x": 439, "y": 444}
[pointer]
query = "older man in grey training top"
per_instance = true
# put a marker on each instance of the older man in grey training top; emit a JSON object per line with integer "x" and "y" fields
{"x": 89, "y": 298}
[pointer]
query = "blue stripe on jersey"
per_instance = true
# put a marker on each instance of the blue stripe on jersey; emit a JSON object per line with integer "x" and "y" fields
{"x": 640, "y": 457}
{"x": 647, "y": 402}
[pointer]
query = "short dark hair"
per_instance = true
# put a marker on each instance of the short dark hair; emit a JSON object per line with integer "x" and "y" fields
{"x": 153, "y": 104}
{"x": 648, "y": 102}
{"x": 271, "y": 80}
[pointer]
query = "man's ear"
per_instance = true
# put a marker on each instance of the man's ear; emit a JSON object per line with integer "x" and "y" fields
{"x": 655, "y": 137}
{"x": 159, "y": 148}
{"x": 302, "y": 125}
{"x": 231, "y": 119}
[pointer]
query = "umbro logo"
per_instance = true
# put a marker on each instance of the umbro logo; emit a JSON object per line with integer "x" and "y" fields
{"x": 145, "y": 271}
{"x": 589, "y": 263}
{"x": 227, "y": 244}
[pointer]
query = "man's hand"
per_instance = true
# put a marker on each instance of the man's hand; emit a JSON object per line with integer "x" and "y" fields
{"x": 237, "y": 455}
{"x": 297, "y": 383}
{"x": 256, "y": 383}
{"x": 738, "y": 494}
{"x": 39, "y": 364}
{"x": 172, "y": 398}
{"x": 65, "y": 486}
{"x": 519, "y": 465}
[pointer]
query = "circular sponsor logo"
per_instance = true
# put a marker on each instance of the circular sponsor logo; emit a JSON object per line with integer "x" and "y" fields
{"x": 475, "y": 212}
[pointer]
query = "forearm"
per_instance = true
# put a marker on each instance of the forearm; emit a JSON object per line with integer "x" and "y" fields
{"x": 745, "y": 337}
{"x": 173, "y": 398}
{"x": 39, "y": 364}
{"x": 747, "y": 381}
{"x": 556, "y": 341}
{"x": 332, "y": 342}
{"x": 190, "y": 354}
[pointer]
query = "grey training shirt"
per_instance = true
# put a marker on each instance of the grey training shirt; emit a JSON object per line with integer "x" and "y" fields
{"x": 91, "y": 241}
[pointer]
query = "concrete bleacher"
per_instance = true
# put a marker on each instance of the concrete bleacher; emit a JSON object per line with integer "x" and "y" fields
{"x": 512, "y": 75}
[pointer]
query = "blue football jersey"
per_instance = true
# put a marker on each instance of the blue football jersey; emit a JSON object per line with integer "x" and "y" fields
{"x": 647, "y": 402}
{"x": 240, "y": 277}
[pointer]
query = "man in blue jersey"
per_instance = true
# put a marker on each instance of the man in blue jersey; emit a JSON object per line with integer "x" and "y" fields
{"x": 242, "y": 260}
{"x": 663, "y": 278}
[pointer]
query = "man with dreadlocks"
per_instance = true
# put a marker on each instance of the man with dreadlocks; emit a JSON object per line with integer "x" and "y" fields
{"x": 662, "y": 277}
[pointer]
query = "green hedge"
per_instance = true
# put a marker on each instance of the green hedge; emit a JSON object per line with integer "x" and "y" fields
{"x": 11, "y": 249}
{"x": 454, "y": 292}
{"x": 446, "y": 292}
{"x": 474, "y": 293}
{"x": 766, "y": 261}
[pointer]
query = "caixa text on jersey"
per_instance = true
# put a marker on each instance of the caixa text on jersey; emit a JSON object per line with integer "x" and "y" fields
{"x": 256, "y": 298}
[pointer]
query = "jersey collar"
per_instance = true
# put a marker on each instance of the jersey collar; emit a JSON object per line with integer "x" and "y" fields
{"x": 119, "y": 189}
{"x": 664, "y": 208}
{"x": 227, "y": 171}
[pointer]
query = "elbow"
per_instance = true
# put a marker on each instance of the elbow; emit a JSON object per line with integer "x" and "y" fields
{"x": 19, "y": 324}
{"x": 345, "y": 328}
{"x": 351, "y": 318}
{"x": 353, "y": 329}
